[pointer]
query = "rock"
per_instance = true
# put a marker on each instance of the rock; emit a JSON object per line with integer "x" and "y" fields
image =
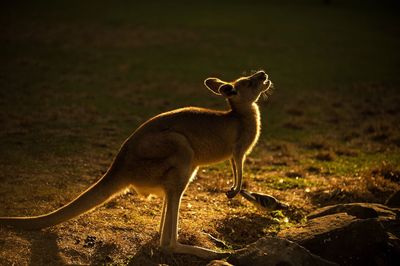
{"x": 359, "y": 210}
{"x": 347, "y": 234}
{"x": 276, "y": 251}
{"x": 392, "y": 226}
{"x": 394, "y": 200}
{"x": 346, "y": 239}
{"x": 317, "y": 227}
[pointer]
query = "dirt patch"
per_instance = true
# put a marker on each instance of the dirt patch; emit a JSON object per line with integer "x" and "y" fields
{"x": 365, "y": 188}
{"x": 327, "y": 156}
{"x": 387, "y": 171}
{"x": 294, "y": 125}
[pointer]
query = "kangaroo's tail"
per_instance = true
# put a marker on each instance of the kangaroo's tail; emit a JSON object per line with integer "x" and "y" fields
{"x": 97, "y": 194}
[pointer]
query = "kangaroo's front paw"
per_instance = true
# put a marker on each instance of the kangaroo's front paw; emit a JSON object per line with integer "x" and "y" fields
{"x": 232, "y": 193}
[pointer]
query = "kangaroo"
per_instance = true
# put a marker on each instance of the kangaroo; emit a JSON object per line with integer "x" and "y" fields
{"x": 163, "y": 155}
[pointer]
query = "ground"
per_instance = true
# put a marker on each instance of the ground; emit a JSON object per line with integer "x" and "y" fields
{"x": 77, "y": 78}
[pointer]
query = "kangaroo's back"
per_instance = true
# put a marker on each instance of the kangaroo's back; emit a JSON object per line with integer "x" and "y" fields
{"x": 211, "y": 134}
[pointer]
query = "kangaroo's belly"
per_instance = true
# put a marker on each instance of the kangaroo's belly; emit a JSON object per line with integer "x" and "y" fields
{"x": 148, "y": 190}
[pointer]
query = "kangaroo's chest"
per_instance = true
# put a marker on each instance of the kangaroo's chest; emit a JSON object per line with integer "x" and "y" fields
{"x": 249, "y": 132}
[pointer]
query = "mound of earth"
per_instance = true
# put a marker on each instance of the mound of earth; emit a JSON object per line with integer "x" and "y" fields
{"x": 351, "y": 234}
{"x": 344, "y": 234}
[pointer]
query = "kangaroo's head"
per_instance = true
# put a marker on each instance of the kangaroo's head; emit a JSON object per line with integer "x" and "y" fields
{"x": 243, "y": 91}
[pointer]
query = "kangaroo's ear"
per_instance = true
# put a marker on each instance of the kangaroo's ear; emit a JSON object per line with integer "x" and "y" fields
{"x": 227, "y": 90}
{"x": 213, "y": 84}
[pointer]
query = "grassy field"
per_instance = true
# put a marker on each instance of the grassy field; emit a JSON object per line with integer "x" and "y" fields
{"x": 76, "y": 78}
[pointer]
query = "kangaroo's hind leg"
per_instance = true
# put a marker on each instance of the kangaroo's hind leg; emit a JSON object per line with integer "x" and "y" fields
{"x": 179, "y": 170}
{"x": 163, "y": 215}
{"x": 175, "y": 182}
{"x": 169, "y": 236}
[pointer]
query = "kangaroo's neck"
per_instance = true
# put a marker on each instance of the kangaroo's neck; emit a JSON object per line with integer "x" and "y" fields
{"x": 250, "y": 124}
{"x": 248, "y": 111}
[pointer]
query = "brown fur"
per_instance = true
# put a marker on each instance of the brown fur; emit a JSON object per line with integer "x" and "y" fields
{"x": 162, "y": 156}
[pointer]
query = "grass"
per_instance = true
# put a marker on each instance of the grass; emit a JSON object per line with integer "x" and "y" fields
{"x": 77, "y": 78}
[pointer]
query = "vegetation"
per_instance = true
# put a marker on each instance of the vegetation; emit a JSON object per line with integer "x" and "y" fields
{"x": 77, "y": 78}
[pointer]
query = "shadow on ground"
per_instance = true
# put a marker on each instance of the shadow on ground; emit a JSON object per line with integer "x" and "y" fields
{"x": 150, "y": 254}
{"x": 240, "y": 230}
{"x": 43, "y": 247}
